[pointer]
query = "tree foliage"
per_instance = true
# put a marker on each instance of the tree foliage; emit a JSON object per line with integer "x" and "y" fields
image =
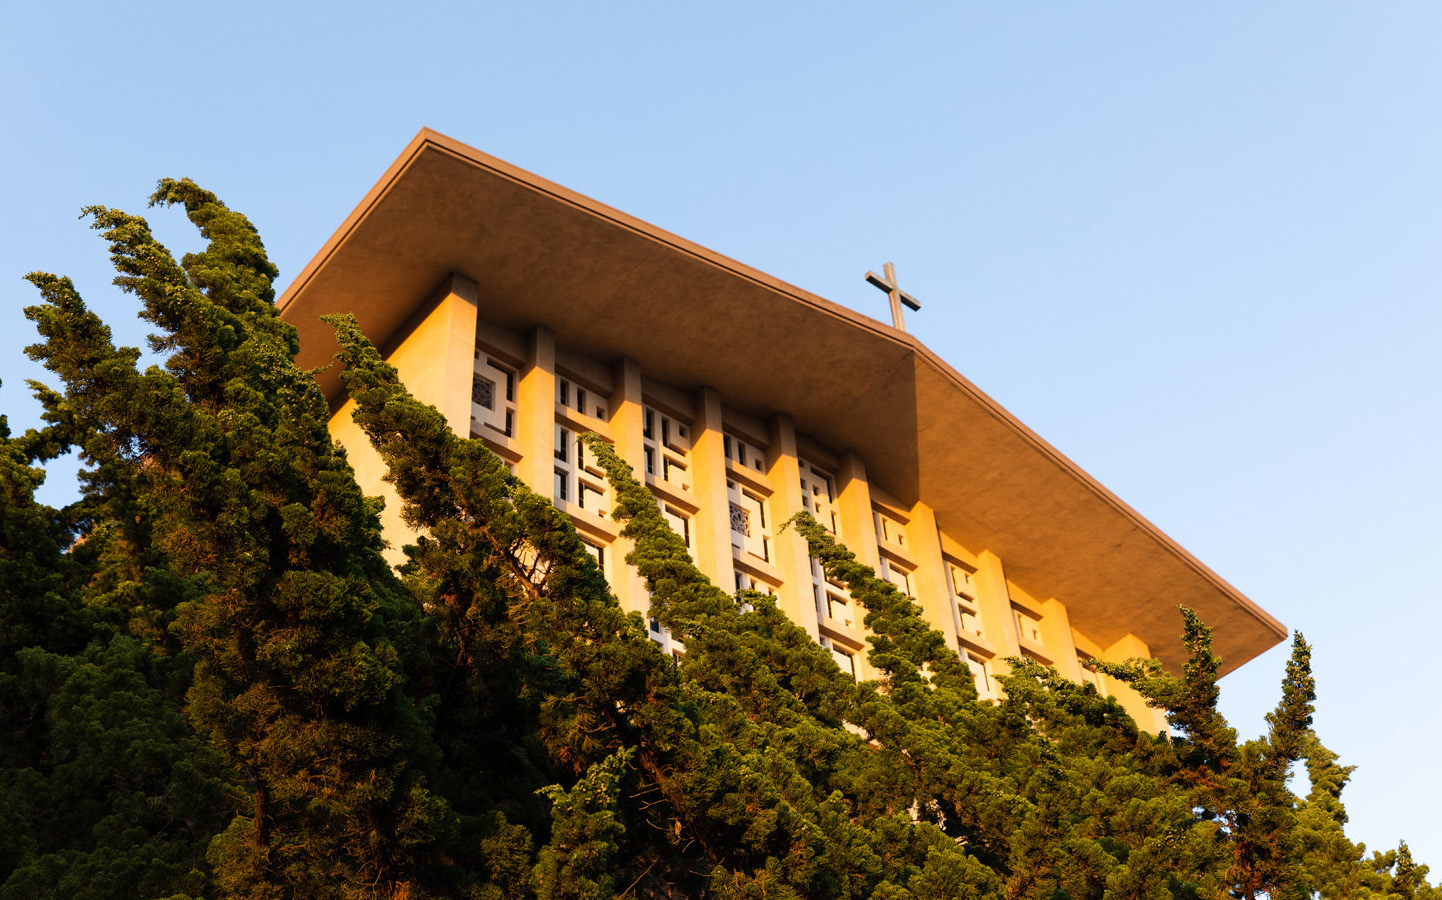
{"x": 212, "y": 685}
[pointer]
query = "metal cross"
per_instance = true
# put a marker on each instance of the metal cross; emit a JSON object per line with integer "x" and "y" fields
{"x": 897, "y": 295}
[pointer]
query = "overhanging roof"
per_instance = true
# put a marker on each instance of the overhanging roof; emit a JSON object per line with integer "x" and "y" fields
{"x": 613, "y": 286}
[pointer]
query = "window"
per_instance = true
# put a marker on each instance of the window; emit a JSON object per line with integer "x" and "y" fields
{"x": 818, "y": 495}
{"x": 889, "y": 530}
{"x": 743, "y": 454}
{"x": 896, "y": 575}
{"x": 662, "y": 636}
{"x": 667, "y": 448}
{"x": 564, "y": 440}
{"x": 963, "y": 590}
{"x": 845, "y": 659}
{"x": 749, "y": 529}
{"x": 493, "y": 396}
{"x": 835, "y": 606}
{"x": 598, "y": 553}
{"x": 986, "y": 687}
{"x": 674, "y": 435}
{"x": 573, "y": 396}
{"x": 679, "y": 522}
{"x": 672, "y": 471}
{"x": 579, "y": 476}
{"x": 745, "y": 582}
{"x": 970, "y": 619}
{"x": 1028, "y": 627}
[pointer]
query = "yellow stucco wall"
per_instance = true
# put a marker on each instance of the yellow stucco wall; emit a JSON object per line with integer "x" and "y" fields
{"x": 433, "y": 355}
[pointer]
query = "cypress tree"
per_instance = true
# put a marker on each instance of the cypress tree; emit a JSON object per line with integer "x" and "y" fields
{"x": 296, "y": 677}
{"x": 104, "y": 791}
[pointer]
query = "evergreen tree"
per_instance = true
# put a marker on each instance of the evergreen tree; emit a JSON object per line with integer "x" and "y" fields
{"x": 1333, "y": 865}
{"x": 104, "y": 792}
{"x": 296, "y": 676}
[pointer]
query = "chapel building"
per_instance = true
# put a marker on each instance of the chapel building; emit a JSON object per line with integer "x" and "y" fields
{"x": 529, "y": 315}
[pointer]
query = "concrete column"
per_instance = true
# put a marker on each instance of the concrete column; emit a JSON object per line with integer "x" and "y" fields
{"x": 993, "y": 601}
{"x": 434, "y": 356}
{"x": 536, "y": 413}
{"x": 627, "y": 419}
{"x": 370, "y": 469}
{"x": 708, "y": 467}
{"x": 858, "y": 533}
{"x": 1132, "y": 647}
{"x": 783, "y": 471}
{"x": 853, "y": 502}
{"x": 626, "y": 431}
{"x": 1056, "y": 634}
{"x": 933, "y": 591}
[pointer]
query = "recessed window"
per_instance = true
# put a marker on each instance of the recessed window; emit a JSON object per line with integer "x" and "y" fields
{"x": 742, "y": 453}
{"x": 488, "y": 409}
{"x": 818, "y": 495}
{"x": 597, "y": 552}
{"x": 986, "y": 687}
{"x": 483, "y": 392}
{"x": 667, "y": 448}
{"x": 749, "y": 530}
{"x": 963, "y": 590}
{"x": 579, "y": 477}
{"x": 679, "y": 522}
{"x": 1028, "y": 627}
{"x": 889, "y": 529}
{"x": 896, "y": 575}
{"x": 746, "y": 582}
{"x": 844, "y": 658}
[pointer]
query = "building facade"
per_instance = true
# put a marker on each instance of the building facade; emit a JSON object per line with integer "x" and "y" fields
{"x": 530, "y": 315}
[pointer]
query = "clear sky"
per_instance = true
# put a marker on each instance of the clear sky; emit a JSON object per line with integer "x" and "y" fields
{"x": 1194, "y": 247}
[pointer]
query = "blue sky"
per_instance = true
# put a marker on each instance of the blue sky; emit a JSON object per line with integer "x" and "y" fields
{"x": 1194, "y": 248}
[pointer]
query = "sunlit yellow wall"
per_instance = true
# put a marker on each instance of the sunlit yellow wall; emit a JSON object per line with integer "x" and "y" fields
{"x": 434, "y": 357}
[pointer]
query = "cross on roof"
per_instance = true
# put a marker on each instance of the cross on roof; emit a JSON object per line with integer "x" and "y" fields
{"x": 896, "y": 294}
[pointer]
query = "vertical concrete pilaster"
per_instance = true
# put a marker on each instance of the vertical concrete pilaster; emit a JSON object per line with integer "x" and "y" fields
{"x": 1132, "y": 647}
{"x": 627, "y": 417}
{"x": 434, "y": 352}
{"x": 708, "y": 466}
{"x": 853, "y": 502}
{"x": 993, "y": 601}
{"x": 858, "y": 530}
{"x": 536, "y": 413}
{"x": 933, "y": 591}
{"x": 1056, "y": 634}
{"x": 626, "y": 431}
{"x": 784, "y": 473}
{"x": 434, "y": 356}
